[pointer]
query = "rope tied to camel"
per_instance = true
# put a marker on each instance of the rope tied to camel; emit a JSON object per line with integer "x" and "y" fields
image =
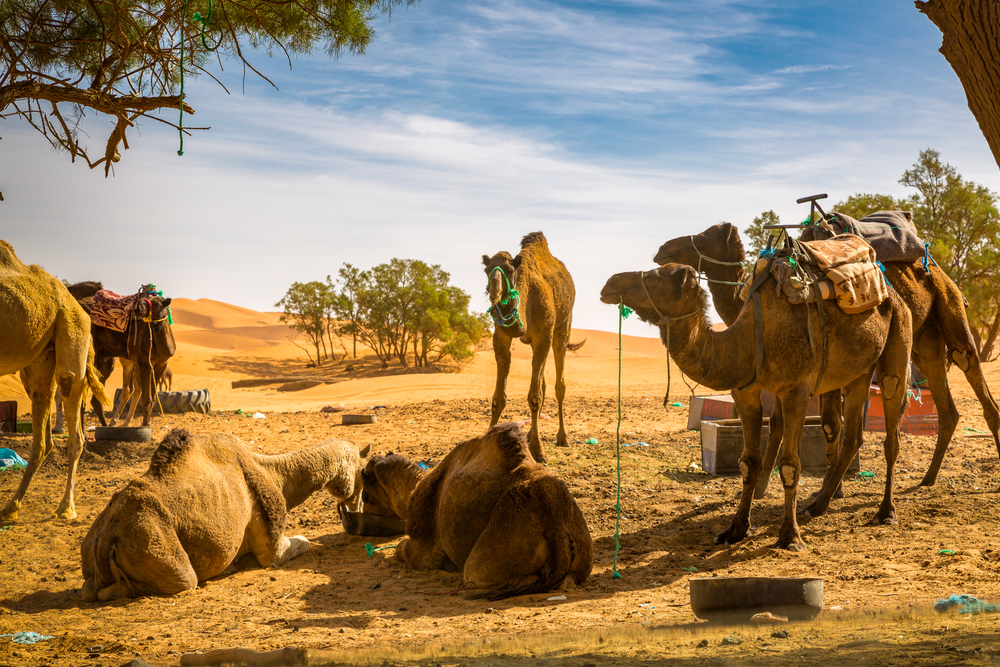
{"x": 703, "y": 257}
{"x": 664, "y": 321}
{"x": 509, "y": 294}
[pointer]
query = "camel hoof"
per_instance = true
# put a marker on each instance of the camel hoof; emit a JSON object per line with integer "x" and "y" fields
{"x": 839, "y": 493}
{"x": 888, "y": 520}
{"x": 68, "y": 515}
{"x": 797, "y": 546}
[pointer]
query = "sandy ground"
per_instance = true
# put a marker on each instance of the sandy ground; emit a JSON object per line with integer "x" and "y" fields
{"x": 344, "y": 606}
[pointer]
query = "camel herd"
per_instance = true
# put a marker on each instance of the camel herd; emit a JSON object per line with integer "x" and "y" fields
{"x": 491, "y": 509}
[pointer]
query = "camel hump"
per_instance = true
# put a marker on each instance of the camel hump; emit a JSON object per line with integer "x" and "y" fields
{"x": 173, "y": 447}
{"x": 532, "y": 239}
{"x": 8, "y": 258}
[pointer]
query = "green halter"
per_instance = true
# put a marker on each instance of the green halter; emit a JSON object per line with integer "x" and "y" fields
{"x": 511, "y": 294}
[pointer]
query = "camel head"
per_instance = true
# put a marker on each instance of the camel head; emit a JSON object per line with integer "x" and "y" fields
{"x": 671, "y": 290}
{"x": 388, "y": 482}
{"x": 497, "y": 280}
{"x": 719, "y": 242}
{"x": 355, "y": 501}
{"x": 152, "y": 307}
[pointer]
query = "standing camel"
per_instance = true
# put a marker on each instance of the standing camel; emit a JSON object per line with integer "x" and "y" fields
{"x": 147, "y": 342}
{"x": 46, "y": 337}
{"x": 940, "y": 332}
{"x": 531, "y": 298}
{"x": 671, "y": 297}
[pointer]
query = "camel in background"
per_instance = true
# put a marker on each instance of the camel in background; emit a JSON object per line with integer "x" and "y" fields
{"x": 531, "y": 298}
{"x": 671, "y": 298}
{"x": 940, "y": 332}
{"x": 205, "y": 502}
{"x": 46, "y": 337}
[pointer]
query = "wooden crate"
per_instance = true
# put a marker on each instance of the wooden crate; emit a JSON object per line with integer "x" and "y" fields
{"x": 722, "y": 446}
{"x": 713, "y": 408}
{"x": 920, "y": 418}
{"x": 8, "y": 416}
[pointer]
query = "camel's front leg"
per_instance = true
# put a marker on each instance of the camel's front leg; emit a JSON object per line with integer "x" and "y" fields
{"x": 794, "y": 404}
{"x": 536, "y": 396}
{"x": 146, "y": 382}
{"x": 748, "y": 406}
{"x": 37, "y": 382}
{"x": 501, "y": 350}
{"x": 776, "y": 426}
{"x": 893, "y": 388}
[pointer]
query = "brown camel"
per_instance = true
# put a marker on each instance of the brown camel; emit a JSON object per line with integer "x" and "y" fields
{"x": 46, "y": 337}
{"x": 531, "y": 298}
{"x": 148, "y": 342}
{"x": 940, "y": 333}
{"x": 205, "y": 502}
{"x": 857, "y": 344}
{"x": 490, "y": 511}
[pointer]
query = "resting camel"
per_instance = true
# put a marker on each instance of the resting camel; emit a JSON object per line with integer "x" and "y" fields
{"x": 147, "y": 342}
{"x": 531, "y": 298}
{"x": 941, "y": 333}
{"x": 490, "y": 511}
{"x": 204, "y": 502}
{"x": 857, "y": 344}
{"x": 46, "y": 337}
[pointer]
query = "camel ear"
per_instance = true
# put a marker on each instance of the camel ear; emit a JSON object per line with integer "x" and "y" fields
{"x": 166, "y": 302}
{"x": 366, "y": 451}
{"x": 486, "y": 260}
{"x": 516, "y": 262}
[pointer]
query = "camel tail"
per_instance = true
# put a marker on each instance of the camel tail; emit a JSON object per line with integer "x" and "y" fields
{"x": 96, "y": 385}
{"x": 573, "y": 347}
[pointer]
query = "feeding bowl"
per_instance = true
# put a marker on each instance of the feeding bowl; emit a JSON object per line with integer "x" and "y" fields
{"x": 375, "y": 525}
{"x": 738, "y": 599}
{"x": 358, "y": 419}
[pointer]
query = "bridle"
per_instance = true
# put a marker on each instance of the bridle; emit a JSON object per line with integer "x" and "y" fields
{"x": 509, "y": 294}
{"x": 705, "y": 258}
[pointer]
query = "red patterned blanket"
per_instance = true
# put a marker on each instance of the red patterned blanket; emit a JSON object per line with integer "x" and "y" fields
{"x": 111, "y": 310}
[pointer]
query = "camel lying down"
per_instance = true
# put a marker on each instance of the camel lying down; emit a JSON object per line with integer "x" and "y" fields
{"x": 488, "y": 510}
{"x": 204, "y": 502}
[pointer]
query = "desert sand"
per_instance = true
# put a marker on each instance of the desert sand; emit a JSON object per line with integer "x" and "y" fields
{"x": 342, "y": 605}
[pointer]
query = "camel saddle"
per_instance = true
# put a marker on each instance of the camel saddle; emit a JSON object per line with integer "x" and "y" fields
{"x": 111, "y": 310}
{"x": 891, "y": 233}
{"x": 843, "y": 268}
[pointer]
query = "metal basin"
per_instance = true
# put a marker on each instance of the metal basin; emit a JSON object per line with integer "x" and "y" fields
{"x": 374, "y": 525}
{"x": 737, "y": 599}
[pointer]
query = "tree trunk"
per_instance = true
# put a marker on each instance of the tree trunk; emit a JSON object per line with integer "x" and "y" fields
{"x": 971, "y": 45}
{"x": 991, "y": 339}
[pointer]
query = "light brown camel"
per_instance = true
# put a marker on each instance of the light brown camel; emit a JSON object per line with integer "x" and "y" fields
{"x": 940, "y": 333}
{"x": 531, "y": 298}
{"x": 204, "y": 502}
{"x": 490, "y": 511}
{"x": 46, "y": 337}
{"x": 857, "y": 344}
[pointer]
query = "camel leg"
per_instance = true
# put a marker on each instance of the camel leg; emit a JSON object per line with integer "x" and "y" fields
{"x": 855, "y": 395}
{"x": 928, "y": 355}
{"x": 751, "y": 415}
{"x": 422, "y": 555}
{"x": 539, "y": 352}
{"x": 74, "y": 390}
{"x": 128, "y": 399}
{"x": 794, "y": 404}
{"x": 776, "y": 428}
{"x": 105, "y": 366}
{"x": 60, "y": 417}
{"x": 894, "y": 401}
{"x": 559, "y": 356}
{"x": 831, "y": 413}
{"x": 37, "y": 382}
{"x": 501, "y": 350}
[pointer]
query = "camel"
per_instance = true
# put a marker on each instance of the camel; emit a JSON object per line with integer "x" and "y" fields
{"x": 941, "y": 333}
{"x": 857, "y": 344}
{"x": 531, "y": 298}
{"x": 388, "y": 482}
{"x": 46, "y": 338}
{"x": 148, "y": 342}
{"x": 490, "y": 511}
{"x": 205, "y": 501}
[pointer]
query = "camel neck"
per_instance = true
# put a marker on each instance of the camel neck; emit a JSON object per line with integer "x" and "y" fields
{"x": 718, "y": 360}
{"x": 725, "y": 294}
{"x": 304, "y": 472}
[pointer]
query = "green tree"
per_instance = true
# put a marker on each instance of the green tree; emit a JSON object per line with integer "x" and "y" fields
{"x": 960, "y": 221}
{"x": 60, "y": 59}
{"x": 351, "y": 281}
{"x": 756, "y": 236}
{"x": 306, "y": 309}
{"x": 859, "y": 205}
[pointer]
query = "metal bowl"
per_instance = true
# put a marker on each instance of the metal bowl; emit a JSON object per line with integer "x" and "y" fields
{"x": 358, "y": 419}
{"x": 737, "y": 599}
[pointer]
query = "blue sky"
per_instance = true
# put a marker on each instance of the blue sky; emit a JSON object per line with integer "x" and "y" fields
{"x": 611, "y": 127}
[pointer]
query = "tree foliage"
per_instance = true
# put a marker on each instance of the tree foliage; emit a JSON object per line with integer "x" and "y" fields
{"x": 60, "y": 59}
{"x": 756, "y": 236}
{"x": 307, "y": 308}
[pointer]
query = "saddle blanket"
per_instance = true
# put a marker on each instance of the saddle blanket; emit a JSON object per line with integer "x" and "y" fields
{"x": 111, "y": 310}
{"x": 891, "y": 233}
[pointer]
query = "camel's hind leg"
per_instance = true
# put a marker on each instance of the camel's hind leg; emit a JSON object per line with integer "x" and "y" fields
{"x": 751, "y": 415}
{"x": 74, "y": 391}
{"x": 559, "y": 356}
{"x": 38, "y": 383}
{"x": 928, "y": 355}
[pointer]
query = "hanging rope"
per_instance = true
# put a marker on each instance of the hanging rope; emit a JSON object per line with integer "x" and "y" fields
{"x": 180, "y": 123}
{"x": 623, "y": 313}
{"x": 204, "y": 25}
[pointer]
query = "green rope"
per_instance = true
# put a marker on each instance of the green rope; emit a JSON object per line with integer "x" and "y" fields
{"x": 511, "y": 292}
{"x": 204, "y": 24}
{"x": 370, "y": 550}
{"x": 623, "y": 312}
